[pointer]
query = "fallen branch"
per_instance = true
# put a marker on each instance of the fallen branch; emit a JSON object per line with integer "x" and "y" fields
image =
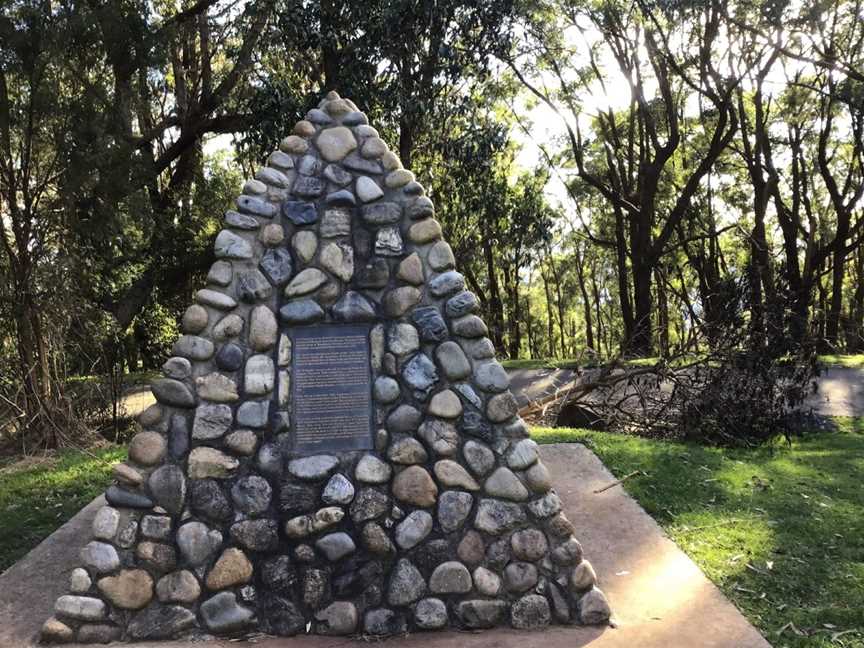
{"x": 619, "y": 481}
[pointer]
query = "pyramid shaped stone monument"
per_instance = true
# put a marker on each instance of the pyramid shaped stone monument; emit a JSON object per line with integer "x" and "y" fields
{"x": 334, "y": 448}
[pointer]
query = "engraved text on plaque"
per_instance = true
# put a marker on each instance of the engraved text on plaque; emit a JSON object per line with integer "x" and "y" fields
{"x": 331, "y": 388}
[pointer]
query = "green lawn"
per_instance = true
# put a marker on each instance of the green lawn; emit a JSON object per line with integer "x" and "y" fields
{"x": 780, "y": 530}
{"x": 855, "y": 361}
{"x": 540, "y": 363}
{"x": 36, "y": 497}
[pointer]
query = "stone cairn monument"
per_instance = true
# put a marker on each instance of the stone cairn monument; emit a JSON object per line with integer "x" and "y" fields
{"x": 334, "y": 448}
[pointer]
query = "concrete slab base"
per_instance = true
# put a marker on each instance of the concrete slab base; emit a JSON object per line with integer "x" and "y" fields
{"x": 659, "y": 597}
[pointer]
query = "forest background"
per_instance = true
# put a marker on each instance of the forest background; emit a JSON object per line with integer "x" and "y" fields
{"x": 618, "y": 178}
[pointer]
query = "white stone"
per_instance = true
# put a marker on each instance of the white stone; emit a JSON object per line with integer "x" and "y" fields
{"x": 336, "y": 143}
{"x": 220, "y": 273}
{"x": 445, "y": 404}
{"x": 372, "y": 470}
{"x": 367, "y": 189}
{"x": 305, "y": 243}
{"x": 259, "y": 376}
{"x": 215, "y": 299}
{"x": 231, "y": 246}
{"x": 79, "y": 580}
{"x": 262, "y": 328}
{"x": 85, "y": 608}
{"x": 338, "y": 259}
{"x": 106, "y": 523}
{"x": 305, "y": 282}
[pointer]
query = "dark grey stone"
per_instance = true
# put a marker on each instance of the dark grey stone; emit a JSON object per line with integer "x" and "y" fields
{"x": 374, "y": 274}
{"x": 453, "y": 509}
{"x": 384, "y": 622}
{"x": 520, "y": 576}
{"x": 382, "y": 213}
{"x": 277, "y": 265}
{"x": 475, "y": 424}
{"x": 353, "y": 307}
{"x": 278, "y": 616}
{"x": 335, "y": 545}
{"x": 300, "y": 213}
{"x": 308, "y": 187}
{"x": 303, "y": 311}
{"x": 252, "y": 205}
{"x": 121, "y": 497}
{"x": 530, "y": 612}
{"x": 356, "y": 163}
{"x": 491, "y": 377}
{"x": 337, "y": 175}
{"x": 421, "y": 208}
{"x": 318, "y": 116}
{"x": 354, "y": 118}
{"x": 230, "y": 357}
{"x": 168, "y": 487}
{"x": 406, "y": 584}
{"x": 369, "y": 504}
{"x": 430, "y": 324}
{"x": 251, "y": 494}
{"x": 241, "y": 221}
{"x": 160, "y": 622}
{"x": 404, "y": 418}
{"x": 178, "y": 436}
{"x": 341, "y": 198}
{"x": 464, "y": 303}
{"x": 172, "y": 392}
{"x": 295, "y": 499}
{"x": 413, "y": 188}
{"x": 252, "y": 286}
{"x": 430, "y": 614}
{"x": 98, "y": 633}
{"x": 253, "y": 414}
{"x": 481, "y": 613}
{"x": 278, "y": 574}
{"x": 209, "y": 500}
{"x": 495, "y": 517}
{"x": 432, "y": 553}
{"x": 256, "y": 535}
{"x": 269, "y": 459}
{"x": 222, "y": 613}
{"x": 309, "y": 165}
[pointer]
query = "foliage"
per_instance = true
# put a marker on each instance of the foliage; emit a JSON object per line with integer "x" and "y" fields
{"x": 779, "y": 529}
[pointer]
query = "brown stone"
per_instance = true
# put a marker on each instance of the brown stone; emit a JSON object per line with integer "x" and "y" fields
{"x": 411, "y": 270}
{"x": 131, "y": 589}
{"x": 232, "y": 568}
{"x": 147, "y": 448}
{"x": 425, "y": 231}
{"x": 414, "y": 486}
{"x": 471, "y": 549}
{"x": 399, "y": 300}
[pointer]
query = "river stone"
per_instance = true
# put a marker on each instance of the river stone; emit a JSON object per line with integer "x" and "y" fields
{"x": 341, "y": 198}
{"x": 397, "y": 301}
{"x": 367, "y": 189}
{"x": 411, "y": 270}
{"x": 414, "y": 486}
{"x": 446, "y": 283}
{"x": 373, "y": 274}
{"x": 338, "y": 259}
{"x": 339, "y": 618}
{"x": 308, "y": 187}
{"x": 160, "y": 622}
{"x": 568, "y": 552}
{"x": 520, "y": 576}
{"x": 305, "y": 282}
{"x": 420, "y": 373}
{"x": 583, "y": 576}
{"x": 413, "y": 529}
{"x": 168, "y": 487}
{"x": 402, "y": 339}
{"x": 530, "y": 612}
{"x": 491, "y": 377}
{"x": 313, "y": 468}
{"x": 495, "y": 517}
{"x": 336, "y": 545}
{"x": 546, "y": 506}
{"x": 279, "y": 616}
{"x": 529, "y": 544}
{"x": 228, "y": 327}
{"x": 383, "y": 622}
{"x": 451, "y": 577}
{"x": 403, "y": 419}
{"x": 450, "y": 473}
{"x": 100, "y": 556}
{"x": 280, "y": 160}
{"x": 481, "y": 613}
{"x": 277, "y": 265}
{"x": 445, "y": 404}
{"x": 469, "y": 326}
{"x": 501, "y": 407}
{"x": 241, "y": 221}
{"x": 272, "y": 177}
{"x": 85, "y": 608}
{"x": 178, "y": 587}
{"x": 230, "y": 357}
{"x": 263, "y": 328}
{"x": 231, "y": 246}
{"x": 425, "y": 231}
{"x": 156, "y": 527}
{"x": 272, "y": 235}
{"x": 197, "y": 542}
{"x": 339, "y": 490}
{"x": 172, "y": 392}
{"x": 216, "y": 388}
{"x": 194, "y": 347}
{"x": 252, "y": 495}
{"x": 252, "y": 286}
{"x": 356, "y": 163}
{"x": 369, "y": 504}
{"x": 406, "y": 584}
{"x": 220, "y": 273}
{"x": 486, "y": 581}
{"x": 256, "y": 535}
{"x": 209, "y": 462}
{"x": 353, "y": 307}
{"x": 385, "y": 390}
{"x": 371, "y": 470}
{"x": 430, "y": 614}
{"x": 452, "y": 361}
{"x": 506, "y": 485}
{"x": 479, "y": 349}
{"x": 335, "y": 143}
{"x": 79, "y": 580}
{"x": 523, "y": 454}
{"x": 222, "y": 613}
{"x": 106, "y": 523}
{"x": 440, "y": 436}
{"x": 594, "y": 608}
{"x": 309, "y": 165}
{"x": 232, "y": 568}
{"x": 256, "y": 206}
{"x": 98, "y": 633}
{"x": 131, "y": 589}
{"x": 55, "y": 631}
{"x": 194, "y": 319}
{"x": 382, "y": 213}
{"x": 336, "y": 222}
{"x": 305, "y": 243}
{"x": 253, "y": 414}
{"x": 297, "y": 498}
{"x": 259, "y": 376}
{"x": 124, "y": 498}
{"x": 430, "y": 323}
{"x": 407, "y": 451}
{"x": 212, "y": 421}
{"x": 388, "y": 242}
{"x": 375, "y": 539}
{"x": 208, "y": 499}
{"x": 300, "y": 212}
{"x": 453, "y": 509}
{"x": 440, "y": 256}
{"x": 478, "y": 457}
{"x": 303, "y": 311}
{"x": 127, "y": 475}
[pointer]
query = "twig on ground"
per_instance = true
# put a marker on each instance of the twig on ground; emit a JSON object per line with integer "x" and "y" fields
{"x": 619, "y": 481}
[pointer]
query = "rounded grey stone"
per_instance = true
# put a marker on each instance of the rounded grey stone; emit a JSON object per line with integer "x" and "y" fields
{"x": 452, "y": 361}
{"x": 371, "y": 470}
{"x": 446, "y": 284}
{"x": 495, "y": 516}
{"x": 339, "y": 490}
{"x": 386, "y": 390}
{"x": 106, "y": 523}
{"x": 256, "y": 535}
{"x": 451, "y": 577}
{"x": 407, "y": 451}
{"x": 177, "y": 368}
{"x": 172, "y": 392}
{"x": 197, "y": 542}
{"x": 252, "y": 494}
{"x": 479, "y": 457}
{"x": 314, "y": 467}
{"x": 222, "y": 613}
{"x": 193, "y": 347}
{"x": 403, "y": 419}
{"x": 168, "y": 486}
{"x": 339, "y": 618}
{"x": 336, "y": 545}
{"x": 530, "y": 612}
{"x": 406, "y": 584}
{"x": 523, "y": 454}
{"x": 384, "y": 622}
{"x": 520, "y": 576}
{"x": 505, "y": 484}
{"x": 491, "y": 377}
{"x": 413, "y": 529}
{"x": 100, "y": 556}
{"x": 529, "y": 544}
{"x": 453, "y": 509}
{"x": 430, "y": 614}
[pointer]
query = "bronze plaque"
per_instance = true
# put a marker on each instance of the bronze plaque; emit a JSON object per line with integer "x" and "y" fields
{"x": 331, "y": 388}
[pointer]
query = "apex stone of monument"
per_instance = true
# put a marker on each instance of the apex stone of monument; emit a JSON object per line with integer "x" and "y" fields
{"x": 333, "y": 445}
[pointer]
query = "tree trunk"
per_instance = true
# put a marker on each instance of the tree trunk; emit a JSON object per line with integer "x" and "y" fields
{"x": 835, "y": 310}
{"x": 550, "y": 318}
{"x": 589, "y": 329}
{"x": 641, "y": 342}
{"x": 495, "y": 305}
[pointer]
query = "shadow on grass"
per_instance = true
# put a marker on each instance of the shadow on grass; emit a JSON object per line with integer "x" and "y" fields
{"x": 779, "y": 529}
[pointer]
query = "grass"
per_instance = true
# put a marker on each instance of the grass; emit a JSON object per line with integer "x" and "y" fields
{"x": 38, "y": 496}
{"x": 779, "y": 529}
{"x": 854, "y": 361}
